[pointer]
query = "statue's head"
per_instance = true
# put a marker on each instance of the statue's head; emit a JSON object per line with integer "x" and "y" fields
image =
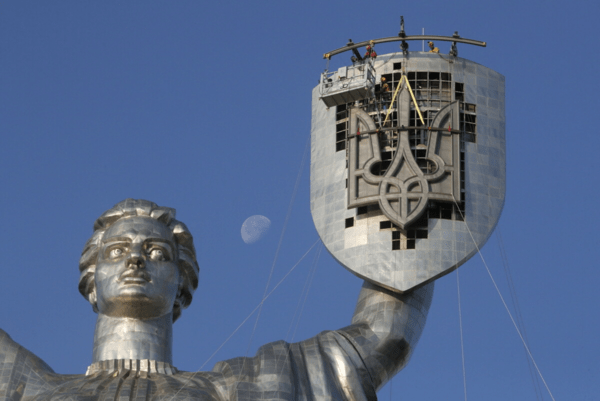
{"x": 139, "y": 263}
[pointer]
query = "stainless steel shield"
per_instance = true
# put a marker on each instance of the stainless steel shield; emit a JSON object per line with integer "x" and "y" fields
{"x": 407, "y": 165}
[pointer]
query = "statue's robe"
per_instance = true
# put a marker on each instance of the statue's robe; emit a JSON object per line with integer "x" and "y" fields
{"x": 326, "y": 367}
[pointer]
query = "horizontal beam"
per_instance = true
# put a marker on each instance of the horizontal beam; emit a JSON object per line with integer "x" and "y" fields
{"x": 419, "y": 128}
{"x": 352, "y": 46}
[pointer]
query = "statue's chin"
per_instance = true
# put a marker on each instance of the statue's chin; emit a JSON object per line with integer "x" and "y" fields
{"x": 136, "y": 306}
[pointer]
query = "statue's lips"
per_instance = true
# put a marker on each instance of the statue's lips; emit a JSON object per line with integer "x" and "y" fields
{"x": 135, "y": 277}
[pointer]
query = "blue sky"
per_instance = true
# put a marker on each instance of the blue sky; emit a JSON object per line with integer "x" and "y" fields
{"x": 206, "y": 108}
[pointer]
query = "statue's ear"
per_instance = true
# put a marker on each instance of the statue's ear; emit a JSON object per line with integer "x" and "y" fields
{"x": 180, "y": 299}
{"x": 93, "y": 299}
{"x": 177, "y": 305}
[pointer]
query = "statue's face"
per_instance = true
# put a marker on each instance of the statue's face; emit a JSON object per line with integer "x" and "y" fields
{"x": 136, "y": 273}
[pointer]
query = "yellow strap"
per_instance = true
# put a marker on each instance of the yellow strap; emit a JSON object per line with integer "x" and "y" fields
{"x": 393, "y": 98}
{"x": 411, "y": 95}
{"x": 414, "y": 100}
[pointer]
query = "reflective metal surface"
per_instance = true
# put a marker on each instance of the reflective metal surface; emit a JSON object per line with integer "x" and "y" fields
{"x": 134, "y": 367}
{"x": 121, "y": 275}
{"x": 365, "y": 210}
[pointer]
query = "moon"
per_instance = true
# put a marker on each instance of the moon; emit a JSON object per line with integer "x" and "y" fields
{"x": 254, "y": 228}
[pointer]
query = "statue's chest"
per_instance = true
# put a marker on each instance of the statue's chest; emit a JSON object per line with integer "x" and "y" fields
{"x": 155, "y": 388}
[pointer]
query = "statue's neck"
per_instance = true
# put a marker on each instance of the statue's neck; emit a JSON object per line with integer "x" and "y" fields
{"x": 126, "y": 338}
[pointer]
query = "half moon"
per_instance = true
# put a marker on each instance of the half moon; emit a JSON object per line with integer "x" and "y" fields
{"x": 254, "y": 228}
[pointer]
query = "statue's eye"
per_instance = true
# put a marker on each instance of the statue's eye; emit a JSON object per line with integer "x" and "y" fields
{"x": 157, "y": 254}
{"x": 115, "y": 253}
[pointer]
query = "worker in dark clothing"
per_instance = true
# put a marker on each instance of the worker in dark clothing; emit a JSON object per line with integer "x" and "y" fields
{"x": 385, "y": 93}
{"x": 384, "y": 87}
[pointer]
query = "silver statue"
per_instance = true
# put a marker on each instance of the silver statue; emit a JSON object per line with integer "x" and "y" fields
{"x": 139, "y": 270}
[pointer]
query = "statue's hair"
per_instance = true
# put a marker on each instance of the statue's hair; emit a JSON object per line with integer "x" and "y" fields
{"x": 186, "y": 254}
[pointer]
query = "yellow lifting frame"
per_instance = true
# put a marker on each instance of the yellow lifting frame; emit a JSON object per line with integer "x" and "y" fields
{"x": 403, "y": 79}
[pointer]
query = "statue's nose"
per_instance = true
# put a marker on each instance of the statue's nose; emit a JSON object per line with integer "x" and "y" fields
{"x": 135, "y": 261}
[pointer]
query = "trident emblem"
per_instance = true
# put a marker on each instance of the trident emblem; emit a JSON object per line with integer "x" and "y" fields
{"x": 425, "y": 164}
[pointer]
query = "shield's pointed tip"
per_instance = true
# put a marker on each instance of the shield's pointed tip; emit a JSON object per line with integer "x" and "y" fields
{"x": 399, "y": 224}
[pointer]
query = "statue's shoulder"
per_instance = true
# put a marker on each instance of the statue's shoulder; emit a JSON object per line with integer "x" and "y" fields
{"x": 5, "y": 342}
{"x": 22, "y": 367}
{"x": 11, "y": 351}
{"x": 8, "y": 351}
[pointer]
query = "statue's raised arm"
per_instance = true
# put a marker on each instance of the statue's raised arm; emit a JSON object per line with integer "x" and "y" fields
{"x": 347, "y": 364}
{"x": 386, "y": 328}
